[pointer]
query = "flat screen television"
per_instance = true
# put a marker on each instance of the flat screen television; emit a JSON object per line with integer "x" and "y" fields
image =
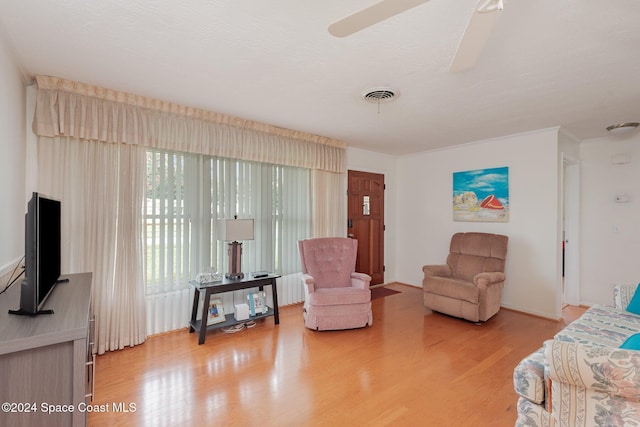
{"x": 42, "y": 246}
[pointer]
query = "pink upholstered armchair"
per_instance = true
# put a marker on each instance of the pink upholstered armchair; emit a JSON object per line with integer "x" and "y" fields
{"x": 336, "y": 297}
{"x": 470, "y": 284}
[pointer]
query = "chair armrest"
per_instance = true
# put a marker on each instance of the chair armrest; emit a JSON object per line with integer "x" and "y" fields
{"x": 622, "y": 295}
{"x": 309, "y": 282}
{"x": 360, "y": 280}
{"x": 482, "y": 280}
{"x": 437, "y": 270}
{"x": 604, "y": 369}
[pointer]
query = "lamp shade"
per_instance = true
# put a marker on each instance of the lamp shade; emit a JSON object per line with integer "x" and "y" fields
{"x": 235, "y": 229}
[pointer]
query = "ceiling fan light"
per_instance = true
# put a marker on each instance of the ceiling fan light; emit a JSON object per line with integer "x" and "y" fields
{"x": 623, "y": 128}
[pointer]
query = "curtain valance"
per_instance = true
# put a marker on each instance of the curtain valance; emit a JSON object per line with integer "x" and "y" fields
{"x": 68, "y": 108}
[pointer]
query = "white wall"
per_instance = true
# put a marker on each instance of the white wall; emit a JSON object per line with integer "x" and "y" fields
{"x": 610, "y": 240}
{"x": 369, "y": 161}
{"x": 12, "y": 161}
{"x": 424, "y": 214}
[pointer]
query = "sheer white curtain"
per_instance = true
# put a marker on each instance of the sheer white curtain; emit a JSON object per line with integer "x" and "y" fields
{"x": 101, "y": 189}
{"x": 68, "y": 109}
{"x": 328, "y": 204}
{"x": 186, "y": 194}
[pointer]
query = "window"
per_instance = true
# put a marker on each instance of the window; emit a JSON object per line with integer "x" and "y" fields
{"x": 187, "y": 193}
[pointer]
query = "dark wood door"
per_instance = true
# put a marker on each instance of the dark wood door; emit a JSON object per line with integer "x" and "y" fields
{"x": 365, "y": 195}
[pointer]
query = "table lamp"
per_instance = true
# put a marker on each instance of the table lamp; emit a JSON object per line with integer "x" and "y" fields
{"x": 232, "y": 230}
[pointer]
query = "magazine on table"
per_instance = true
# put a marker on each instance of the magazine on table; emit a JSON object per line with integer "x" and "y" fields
{"x": 215, "y": 312}
{"x": 257, "y": 303}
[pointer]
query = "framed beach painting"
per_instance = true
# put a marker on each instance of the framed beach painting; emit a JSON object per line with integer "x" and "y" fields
{"x": 481, "y": 195}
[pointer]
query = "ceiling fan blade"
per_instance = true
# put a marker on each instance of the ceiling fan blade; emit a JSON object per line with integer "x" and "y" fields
{"x": 489, "y": 5}
{"x": 371, "y": 15}
{"x": 476, "y": 34}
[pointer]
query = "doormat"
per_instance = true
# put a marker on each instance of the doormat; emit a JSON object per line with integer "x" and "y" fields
{"x": 381, "y": 291}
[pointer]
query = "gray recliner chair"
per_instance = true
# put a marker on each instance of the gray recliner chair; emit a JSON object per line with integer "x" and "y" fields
{"x": 470, "y": 284}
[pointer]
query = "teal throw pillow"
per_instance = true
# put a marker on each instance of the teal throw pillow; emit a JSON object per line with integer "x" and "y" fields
{"x": 632, "y": 343}
{"x": 634, "y": 304}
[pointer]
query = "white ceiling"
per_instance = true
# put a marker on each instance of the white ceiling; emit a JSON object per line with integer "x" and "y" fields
{"x": 548, "y": 63}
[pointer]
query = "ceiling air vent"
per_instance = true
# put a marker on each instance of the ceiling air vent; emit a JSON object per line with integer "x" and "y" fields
{"x": 379, "y": 95}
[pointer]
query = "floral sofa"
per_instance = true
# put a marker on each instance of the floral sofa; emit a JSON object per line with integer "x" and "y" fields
{"x": 582, "y": 377}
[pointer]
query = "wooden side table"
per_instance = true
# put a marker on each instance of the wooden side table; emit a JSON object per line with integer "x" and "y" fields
{"x": 229, "y": 285}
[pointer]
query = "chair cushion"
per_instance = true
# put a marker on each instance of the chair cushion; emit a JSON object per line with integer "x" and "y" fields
{"x": 330, "y": 260}
{"x": 634, "y": 304}
{"x": 601, "y": 325}
{"x": 632, "y": 343}
{"x": 464, "y": 267}
{"x": 339, "y": 296}
{"x": 485, "y": 245}
{"x": 472, "y": 253}
{"x": 452, "y": 288}
{"x": 622, "y": 295}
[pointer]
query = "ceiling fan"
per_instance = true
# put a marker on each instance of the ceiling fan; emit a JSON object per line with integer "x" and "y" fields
{"x": 474, "y": 38}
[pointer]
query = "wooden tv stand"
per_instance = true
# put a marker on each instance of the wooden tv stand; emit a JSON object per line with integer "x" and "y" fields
{"x": 46, "y": 361}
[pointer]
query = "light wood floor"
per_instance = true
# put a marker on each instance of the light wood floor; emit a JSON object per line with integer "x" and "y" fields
{"x": 411, "y": 368}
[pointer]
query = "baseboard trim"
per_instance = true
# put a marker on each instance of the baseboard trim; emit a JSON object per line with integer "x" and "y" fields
{"x": 532, "y": 314}
{"x": 402, "y": 284}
